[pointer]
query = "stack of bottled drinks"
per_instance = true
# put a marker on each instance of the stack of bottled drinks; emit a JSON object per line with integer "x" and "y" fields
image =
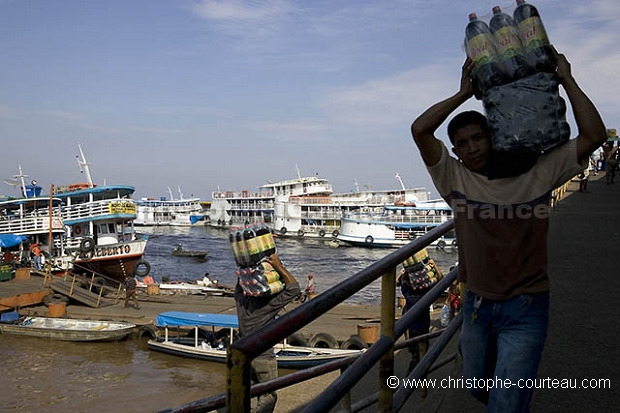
{"x": 251, "y": 245}
{"x": 515, "y": 77}
{"x": 421, "y": 271}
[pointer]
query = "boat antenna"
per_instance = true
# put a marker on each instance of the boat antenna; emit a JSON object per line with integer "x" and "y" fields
{"x": 402, "y": 185}
{"x": 298, "y": 171}
{"x": 170, "y": 192}
{"x": 180, "y": 193}
{"x": 84, "y": 167}
{"x": 357, "y": 186}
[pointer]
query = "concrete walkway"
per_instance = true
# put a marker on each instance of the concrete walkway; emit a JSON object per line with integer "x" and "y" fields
{"x": 584, "y": 333}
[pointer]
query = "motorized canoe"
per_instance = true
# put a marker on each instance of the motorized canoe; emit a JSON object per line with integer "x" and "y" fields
{"x": 179, "y": 251}
{"x": 68, "y": 329}
{"x": 204, "y": 345}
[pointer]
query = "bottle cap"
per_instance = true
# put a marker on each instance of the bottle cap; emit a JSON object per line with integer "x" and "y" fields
{"x": 472, "y": 16}
{"x": 497, "y": 9}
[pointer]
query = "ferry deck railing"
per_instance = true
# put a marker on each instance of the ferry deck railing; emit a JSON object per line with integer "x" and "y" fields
{"x": 243, "y": 351}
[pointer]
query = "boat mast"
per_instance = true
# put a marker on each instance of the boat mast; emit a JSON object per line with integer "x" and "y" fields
{"x": 21, "y": 176}
{"x": 83, "y": 163}
{"x": 402, "y": 185}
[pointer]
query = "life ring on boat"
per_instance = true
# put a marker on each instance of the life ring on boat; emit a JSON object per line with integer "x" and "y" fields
{"x": 297, "y": 339}
{"x": 454, "y": 244}
{"x": 321, "y": 233}
{"x": 335, "y": 233}
{"x": 77, "y": 230}
{"x": 219, "y": 222}
{"x": 140, "y": 271}
{"x": 411, "y": 235}
{"x": 283, "y": 230}
{"x": 148, "y": 331}
{"x": 369, "y": 240}
{"x": 354, "y": 343}
{"x": 441, "y": 244}
{"x": 300, "y": 232}
{"x": 87, "y": 245}
{"x": 323, "y": 340}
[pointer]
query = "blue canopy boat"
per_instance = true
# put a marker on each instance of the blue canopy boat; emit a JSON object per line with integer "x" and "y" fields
{"x": 211, "y": 345}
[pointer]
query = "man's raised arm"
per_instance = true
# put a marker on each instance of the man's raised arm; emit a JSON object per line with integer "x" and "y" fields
{"x": 591, "y": 132}
{"x": 424, "y": 127}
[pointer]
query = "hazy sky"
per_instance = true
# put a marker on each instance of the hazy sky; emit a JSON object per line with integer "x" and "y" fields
{"x": 231, "y": 94}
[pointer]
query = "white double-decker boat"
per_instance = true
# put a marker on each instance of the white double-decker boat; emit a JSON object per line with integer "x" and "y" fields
{"x": 396, "y": 225}
{"x": 302, "y": 207}
{"x": 169, "y": 212}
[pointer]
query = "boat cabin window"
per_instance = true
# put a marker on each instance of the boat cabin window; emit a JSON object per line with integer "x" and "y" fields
{"x": 107, "y": 229}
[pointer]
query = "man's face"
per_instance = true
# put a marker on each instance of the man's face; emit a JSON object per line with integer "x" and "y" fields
{"x": 472, "y": 147}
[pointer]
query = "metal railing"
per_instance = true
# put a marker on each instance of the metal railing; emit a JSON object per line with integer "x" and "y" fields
{"x": 240, "y": 354}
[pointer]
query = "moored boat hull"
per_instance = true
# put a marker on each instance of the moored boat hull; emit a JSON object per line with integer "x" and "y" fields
{"x": 69, "y": 329}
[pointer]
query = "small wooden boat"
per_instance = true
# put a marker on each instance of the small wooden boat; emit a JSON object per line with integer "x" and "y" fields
{"x": 179, "y": 251}
{"x": 68, "y": 329}
{"x": 211, "y": 346}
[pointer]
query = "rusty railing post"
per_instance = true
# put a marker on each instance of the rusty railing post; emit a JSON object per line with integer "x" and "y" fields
{"x": 238, "y": 382}
{"x": 386, "y": 365}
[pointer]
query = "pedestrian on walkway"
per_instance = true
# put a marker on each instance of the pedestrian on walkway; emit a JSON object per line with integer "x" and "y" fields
{"x": 35, "y": 252}
{"x": 254, "y": 312}
{"x": 502, "y": 257}
{"x": 130, "y": 285}
{"x": 422, "y": 323}
{"x": 584, "y": 177}
{"x": 611, "y": 161}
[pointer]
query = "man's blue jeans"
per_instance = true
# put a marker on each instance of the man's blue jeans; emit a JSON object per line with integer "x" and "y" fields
{"x": 501, "y": 341}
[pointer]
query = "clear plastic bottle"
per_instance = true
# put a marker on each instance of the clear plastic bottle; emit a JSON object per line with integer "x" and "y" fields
{"x": 508, "y": 44}
{"x": 445, "y": 316}
{"x": 534, "y": 37}
{"x": 481, "y": 50}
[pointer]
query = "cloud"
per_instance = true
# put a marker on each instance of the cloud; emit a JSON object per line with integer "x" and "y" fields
{"x": 242, "y": 18}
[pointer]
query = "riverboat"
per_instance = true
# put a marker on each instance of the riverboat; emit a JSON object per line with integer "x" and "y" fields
{"x": 396, "y": 225}
{"x": 172, "y": 212}
{"x": 100, "y": 231}
{"x": 210, "y": 344}
{"x": 69, "y": 329}
{"x": 36, "y": 219}
{"x": 302, "y": 207}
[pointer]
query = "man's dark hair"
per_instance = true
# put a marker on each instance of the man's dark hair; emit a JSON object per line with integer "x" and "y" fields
{"x": 470, "y": 117}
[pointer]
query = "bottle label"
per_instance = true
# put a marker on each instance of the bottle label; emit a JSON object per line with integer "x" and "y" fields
{"x": 533, "y": 34}
{"x": 507, "y": 42}
{"x": 481, "y": 49}
{"x": 252, "y": 246}
{"x": 266, "y": 241}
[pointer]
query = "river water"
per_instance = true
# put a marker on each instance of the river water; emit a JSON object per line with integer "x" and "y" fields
{"x": 50, "y": 376}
